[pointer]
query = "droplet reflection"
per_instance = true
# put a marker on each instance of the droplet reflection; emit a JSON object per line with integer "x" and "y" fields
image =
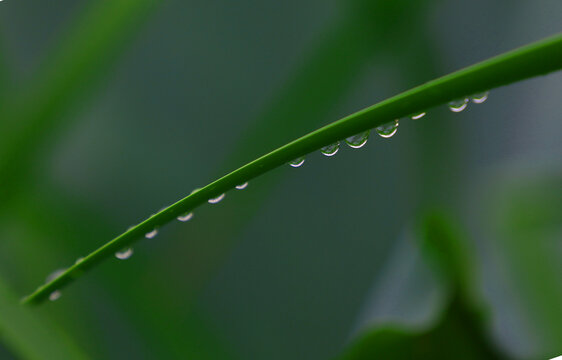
{"x": 358, "y": 141}
{"x": 185, "y": 217}
{"x": 55, "y": 295}
{"x": 124, "y": 254}
{"x": 242, "y": 186}
{"x": 297, "y": 162}
{"x": 217, "y": 199}
{"x": 331, "y": 149}
{"x": 480, "y": 98}
{"x": 152, "y": 234}
{"x": 418, "y": 116}
{"x": 388, "y": 130}
{"x": 458, "y": 105}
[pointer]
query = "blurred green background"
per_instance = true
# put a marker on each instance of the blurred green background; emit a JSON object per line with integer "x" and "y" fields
{"x": 444, "y": 240}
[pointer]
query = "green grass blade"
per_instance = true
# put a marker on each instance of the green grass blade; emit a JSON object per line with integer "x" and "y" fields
{"x": 315, "y": 81}
{"x": 532, "y": 60}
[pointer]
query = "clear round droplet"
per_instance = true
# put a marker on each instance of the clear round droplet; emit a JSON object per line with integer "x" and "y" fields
{"x": 480, "y": 97}
{"x": 331, "y": 149}
{"x": 242, "y": 186}
{"x": 358, "y": 141}
{"x": 152, "y": 234}
{"x": 388, "y": 129}
{"x": 217, "y": 199}
{"x": 297, "y": 162}
{"x": 185, "y": 217}
{"x": 124, "y": 254}
{"x": 55, "y": 295}
{"x": 458, "y": 105}
{"x": 418, "y": 116}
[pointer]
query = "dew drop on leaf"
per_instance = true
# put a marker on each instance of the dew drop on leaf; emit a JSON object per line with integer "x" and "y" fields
{"x": 297, "y": 162}
{"x": 242, "y": 186}
{"x": 388, "y": 129}
{"x": 152, "y": 234}
{"x": 55, "y": 274}
{"x": 55, "y": 295}
{"x": 185, "y": 217}
{"x": 480, "y": 97}
{"x": 358, "y": 141}
{"x": 458, "y": 105}
{"x": 124, "y": 254}
{"x": 418, "y": 116}
{"x": 216, "y": 200}
{"x": 331, "y": 149}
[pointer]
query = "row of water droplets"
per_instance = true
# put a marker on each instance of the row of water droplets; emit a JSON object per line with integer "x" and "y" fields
{"x": 461, "y": 104}
{"x": 126, "y": 253}
{"x": 389, "y": 129}
{"x": 356, "y": 141}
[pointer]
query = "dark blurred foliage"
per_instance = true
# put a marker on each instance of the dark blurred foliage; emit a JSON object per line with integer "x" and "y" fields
{"x": 111, "y": 109}
{"x": 460, "y": 330}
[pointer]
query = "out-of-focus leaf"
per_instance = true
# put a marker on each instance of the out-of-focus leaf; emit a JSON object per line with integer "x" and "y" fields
{"x": 30, "y": 336}
{"x": 4, "y": 74}
{"x": 35, "y": 113}
{"x": 460, "y": 331}
{"x": 527, "y": 221}
{"x": 456, "y": 335}
{"x": 443, "y": 248}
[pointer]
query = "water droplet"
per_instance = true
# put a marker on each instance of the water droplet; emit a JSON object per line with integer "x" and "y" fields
{"x": 388, "y": 129}
{"x": 418, "y": 116}
{"x": 297, "y": 162}
{"x": 357, "y": 141}
{"x": 55, "y": 295}
{"x": 124, "y": 254}
{"x": 55, "y": 274}
{"x": 216, "y": 200}
{"x": 480, "y": 97}
{"x": 151, "y": 234}
{"x": 195, "y": 190}
{"x": 331, "y": 149}
{"x": 242, "y": 186}
{"x": 52, "y": 276}
{"x": 458, "y": 105}
{"x": 79, "y": 260}
{"x": 185, "y": 217}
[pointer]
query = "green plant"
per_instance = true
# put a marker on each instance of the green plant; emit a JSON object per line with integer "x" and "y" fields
{"x": 533, "y": 60}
